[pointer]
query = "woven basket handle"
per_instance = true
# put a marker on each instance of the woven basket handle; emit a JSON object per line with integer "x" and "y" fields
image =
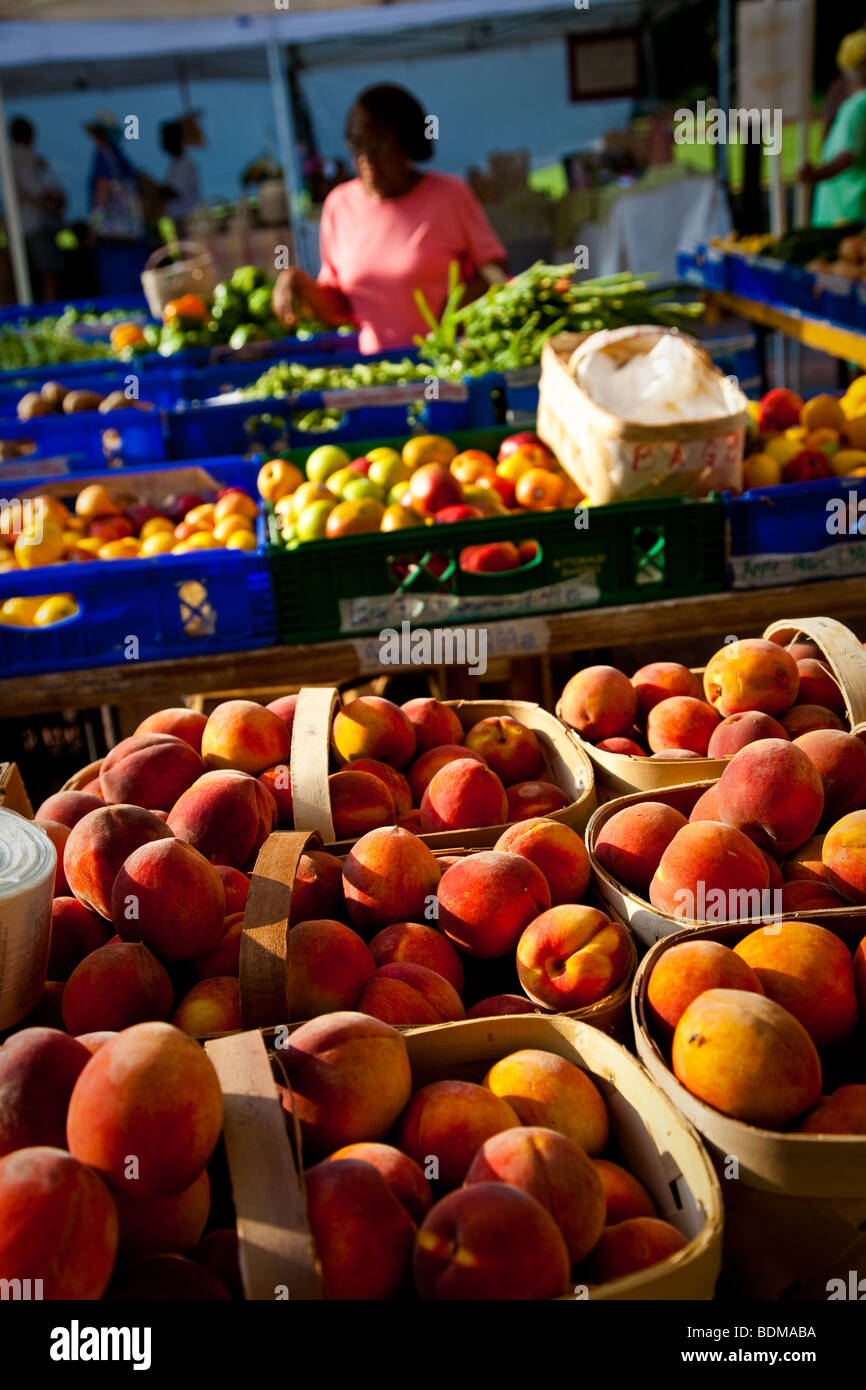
{"x": 311, "y": 732}
{"x": 266, "y": 925}
{"x": 175, "y": 250}
{"x": 845, "y": 657}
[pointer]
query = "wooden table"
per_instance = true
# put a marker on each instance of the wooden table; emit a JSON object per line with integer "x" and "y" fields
{"x": 716, "y": 616}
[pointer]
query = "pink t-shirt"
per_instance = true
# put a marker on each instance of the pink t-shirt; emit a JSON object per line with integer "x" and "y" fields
{"x": 379, "y": 252}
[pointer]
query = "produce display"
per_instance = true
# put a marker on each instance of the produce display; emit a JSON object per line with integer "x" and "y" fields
{"x": 53, "y": 398}
{"x": 839, "y": 250}
{"x": 288, "y": 378}
{"x": 43, "y": 342}
{"x": 795, "y": 441}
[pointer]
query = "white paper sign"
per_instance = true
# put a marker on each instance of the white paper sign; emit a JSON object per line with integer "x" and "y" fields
{"x": 773, "y": 44}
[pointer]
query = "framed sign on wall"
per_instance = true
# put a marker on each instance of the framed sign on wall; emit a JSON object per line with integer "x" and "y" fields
{"x": 605, "y": 64}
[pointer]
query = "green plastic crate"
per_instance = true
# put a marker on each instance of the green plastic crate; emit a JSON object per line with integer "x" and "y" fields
{"x": 629, "y": 552}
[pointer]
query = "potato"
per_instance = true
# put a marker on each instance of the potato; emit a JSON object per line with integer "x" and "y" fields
{"x": 118, "y": 400}
{"x": 54, "y": 392}
{"x": 32, "y": 405}
{"x": 76, "y": 401}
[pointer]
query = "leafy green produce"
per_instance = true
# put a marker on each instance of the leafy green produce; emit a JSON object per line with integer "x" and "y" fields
{"x": 288, "y": 378}
{"x": 44, "y": 342}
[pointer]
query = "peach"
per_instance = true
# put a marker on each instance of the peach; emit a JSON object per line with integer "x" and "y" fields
{"x": 225, "y": 957}
{"x": 91, "y": 788}
{"x": 171, "y": 898}
{"x": 630, "y": 844}
{"x": 389, "y": 876}
{"x": 771, "y": 791}
{"x": 840, "y": 759}
{"x": 627, "y": 746}
{"x": 681, "y": 722}
{"x": 278, "y": 781}
{"x": 746, "y": 1056}
{"x": 805, "y": 719}
{"x": 527, "y": 800}
{"x": 449, "y": 1121}
{"x": 284, "y": 708}
{"x": 244, "y": 736}
{"x": 625, "y": 1197}
{"x": 677, "y": 755}
{"x": 489, "y": 1241}
{"x": 404, "y": 993}
{"x": 806, "y": 862}
{"x": 659, "y": 681}
{"x": 327, "y": 968}
{"x": 687, "y": 970}
{"x": 416, "y": 944}
{"x": 75, "y": 932}
{"x": 807, "y": 970}
{"x": 502, "y": 1006}
{"x": 211, "y": 1006}
{"x": 150, "y": 770}
{"x": 508, "y": 747}
{"x": 226, "y": 816}
{"x": 236, "y": 887}
{"x": 549, "y": 1167}
{"x": 555, "y": 849}
{"x": 146, "y": 1111}
{"x": 94, "y": 1041}
{"x": 349, "y": 1076}
{"x": 572, "y": 956}
{"x": 68, "y": 807}
{"x": 751, "y": 675}
{"x": 710, "y": 872}
{"x": 843, "y": 1112}
{"x": 463, "y": 794}
{"x": 217, "y": 1253}
{"x": 424, "y": 769}
{"x": 166, "y": 1278}
{"x": 404, "y": 1177}
{"x": 487, "y": 899}
{"x": 707, "y": 805}
{"x": 544, "y": 1089}
{"x": 58, "y": 1224}
{"x": 860, "y": 975}
{"x": 38, "y": 1069}
{"x": 599, "y": 702}
{"x": 359, "y": 802}
{"x": 99, "y": 844}
{"x": 434, "y": 723}
{"x": 632, "y": 1245}
{"x": 118, "y": 984}
{"x": 48, "y": 1013}
{"x": 371, "y": 727}
{"x": 844, "y": 857}
{"x": 804, "y": 651}
{"x": 181, "y": 722}
{"x": 362, "y": 1231}
{"x": 318, "y": 888}
{"x": 739, "y": 729}
{"x": 393, "y": 780}
{"x": 58, "y": 835}
{"x": 802, "y": 895}
{"x": 819, "y": 687}
{"x": 164, "y": 1225}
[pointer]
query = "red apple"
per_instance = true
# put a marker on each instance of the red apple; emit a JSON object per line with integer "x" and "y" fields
{"x": 460, "y": 512}
{"x": 516, "y": 441}
{"x": 492, "y": 558}
{"x": 433, "y": 488}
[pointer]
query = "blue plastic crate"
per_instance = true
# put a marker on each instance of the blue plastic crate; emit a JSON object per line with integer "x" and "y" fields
{"x": 757, "y": 277}
{"x": 823, "y": 296}
{"x": 702, "y": 265}
{"x": 796, "y": 532}
{"x": 85, "y": 442}
{"x": 163, "y": 386}
{"x": 174, "y": 606}
{"x": 104, "y": 304}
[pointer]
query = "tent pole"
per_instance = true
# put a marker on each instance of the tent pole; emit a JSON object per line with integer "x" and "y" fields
{"x": 285, "y": 123}
{"x": 14, "y": 229}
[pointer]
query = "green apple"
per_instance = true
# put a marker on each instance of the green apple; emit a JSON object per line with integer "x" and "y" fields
{"x": 396, "y": 495}
{"x": 337, "y": 481}
{"x": 363, "y": 487}
{"x": 311, "y": 524}
{"x": 486, "y": 499}
{"x": 326, "y": 460}
{"x": 389, "y": 472}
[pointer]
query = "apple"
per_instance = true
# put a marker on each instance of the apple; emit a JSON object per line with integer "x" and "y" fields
{"x": 362, "y": 487}
{"x": 485, "y": 497}
{"x": 472, "y": 465}
{"x": 515, "y": 441}
{"x": 432, "y": 488}
{"x": 178, "y": 509}
{"x": 361, "y": 465}
{"x": 311, "y": 524}
{"x": 460, "y": 512}
{"x": 806, "y": 466}
{"x": 492, "y": 558}
{"x": 137, "y": 513}
{"x": 389, "y": 472}
{"x": 110, "y": 528}
{"x": 324, "y": 461}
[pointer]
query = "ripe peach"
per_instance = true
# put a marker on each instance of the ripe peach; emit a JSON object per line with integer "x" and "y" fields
{"x": 772, "y": 792}
{"x": 804, "y": 651}
{"x": 164, "y": 1225}
{"x": 681, "y": 722}
{"x": 58, "y": 1224}
{"x": 508, "y": 747}
{"x": 707, "y": 805}
{"x": 244, "y": 736}
{"x": 150, "y": 770}
{"x": 684, "y": 972}
{"x": 449, "y": 1121}
{"x": 38, "y": 1069}
{"x": 393, "y": 780}
{"x": 146, "y": 1111}
{"x": 363, "y": 1233}
{"x": 183, "y": 723}
{"x": 118, "y": 984}
{"x": 211, "y": 1006}
{"x": 416, "y": 944}
{"x": 544, "y": 1089}
{"x": 625, "y": 1197}
{"x": 349, "y": 1076}
{"x": 630, "y": 845}
{"x": 236, "y": 887}
{"x": 746, "y": 1056}
{"x": 166, "y": 1278}
{"x": 801, "y": 895}
{"x": 806, "y": 862}
{"x": 486, "y": 901}
{"x": 843, "y": 1112}
{"x": 572, "y": 956}
{"x": 58, "y": 835}
{"x": 94, "y": 1041}
{"x": 527, "y": 800}
{"x": 807, "y": 970}
{"x": 327, "y": 968}
{"x": 844, "y": 857}
{"x": 404, "y": 993}
{"x": 389, "y": 876}
{"x": 819, "y": 687}
{"x": 217, "y": 1253}
{"x": 503, "y": 1006}
{"x": 555, "y": 849}
{"x": 424, "y": 769}
{"x": 599, "y": 702}
{"x": 434, "y": 723}
{"x": 490, "y": 1241}
{"x": 68, "y": 807}
{"x": 627, "y": 746}
{"x": 751, "y": 675}
{"x": 710, "y": 872}
{"x": 404, "y": 1177}
{"x": 805, "y": 719}
{"x": 278, "y": 781}
{"x": 284, "y": 708}
{"x": 318, "y": 888}
{"x": 840, "y": 759}
{"x": 359, "y": 802}
{"x": 99, "y": 844}
{"x": 632, "y": 1245}
{"x": 75, "y": 932}
{"x": 659, "y": 681}
{"x": 462, "y": 795}
{"x": 47, "y": 1013}
{"x": 677, "y": 755}
{"x": 860, "y": 975}
{"x": 167, "y": 895}
{"x": 225, "y": 957}
{"x": 226, "y": 816}
{"x": 371, "y": 727}
{"x": 739, "y": 729}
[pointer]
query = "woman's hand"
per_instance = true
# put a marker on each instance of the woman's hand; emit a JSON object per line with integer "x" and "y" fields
{"x": 808, "y": 174}
{"x": 288, "y": 295}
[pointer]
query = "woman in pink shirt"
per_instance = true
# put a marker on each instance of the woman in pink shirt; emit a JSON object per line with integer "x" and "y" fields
{"x": 390, "y": 231}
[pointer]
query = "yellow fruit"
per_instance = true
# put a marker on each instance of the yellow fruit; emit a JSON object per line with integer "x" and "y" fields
{"x": 204, "y": 514}
{"x": 238, "y": 503}
{"x": 855, "y": 432}
{"x": 825, "y": 439}
{"x": 33, "y": 549}
{"x": 428, "y": 448}
{"x": 241, "y": 540}
{"x": 230, "y": 524}
{"x": 277, "y": 478}
{"x": 90, "y": 545}
{"x": 761, "y": 470}
{"x": 383, "y": 455}
{"x": 7, "y": 555}
{"x": 55, "y": 609}
{"x": 822, "y": 412}
{"x": 337, "y": 481}
{"x": 397, "y": 518}
{"x": 847, "y": 461}
{"x": 782, "y": 449}
{"x": 125, "y": 549}
{"x": 307, "y": 493}
{"x": 389, "y": 472}
{"x": 156, "y": 526}
{"x": 202, "y": 540}
{"x": 160, "y": 543}
{"x": 514, "y": 466}
{"x": 95, "y": 501}
{"x": 51, "y": 509}
{"x": 18, "y": 612}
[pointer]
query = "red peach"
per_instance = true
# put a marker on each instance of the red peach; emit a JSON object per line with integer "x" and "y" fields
{"x": 599, "y": 702}
{"x": 38, "y": 1069}
{"x": 805, "y": 719}
{"x": 707, "y": 805}
{"x": 818, "y": 687}
{"x": 245, "y": 737}
{"x": 544, "y": 1089}
{"x": 99, "y": 844}
{"x": 434, "y": 723}
{"x": 633, "y": 1245}
{"x": 487, "y": 900}
{"x": 359, "y": 802}
{"x": 284, "y": 708}
{"x": 404, "y": 993}
{"x": 424, "y": 769}
{"x": 527, "y": 800}
{"x": 630, "y": 845}
{"x": 659, "y": 681}
{"x": 502, "y": 1006}
{"x": 363, "y": 1233}
{"x": 681, "y": 722}
{"x": 508, "y": 747}
{"x": 318, "y": 888}
{"x": 626, "y": 746}
{"x": 68, "y": 807}
{"x": 739, "y": 729}
{"x": 393, "y": 780}
{"x": 625, "y": 1197}
{"x": 117, "y": 985}
{"x": 226, "y": 816}
{"x": 687, "y": 970}
{"x": 807, "y": 970}
{"x": 801, "y": 895}
{"x": 389, "y": 876}
{"x": 183, "y": 723}
{"x": 840, "y": 759}
{"x": 449, "y": 1121}
{"x": 167, "y": 895}
{"x": 710, "y": 872}
{"x": 843, "y": 1112}
{"x": 236, "y": 887}
{"x": 327, "y": 968}
{"x": 371, "y": 727}
{"x": 462, "y": 795}
{"x": 572, "y": 956}
{"x": 404, "y": 1177}
{"x": 150, "y": 770}
{"x": 772, "y": 792}
{"x": 753, "y": 674}
{"x": 278, "y": 781}
{"x": 416, "y": 944}
{"x": 75, "y": 932}
{"x": 555, "y": 849}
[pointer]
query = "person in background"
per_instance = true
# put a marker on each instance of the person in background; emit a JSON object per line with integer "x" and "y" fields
{"x": 391, "y": 231}
{"x": 182, "y": 189}
{"x": 840, "y": 178}
{"x": 41, "y": 200}
{"x": 116, "y": 211}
